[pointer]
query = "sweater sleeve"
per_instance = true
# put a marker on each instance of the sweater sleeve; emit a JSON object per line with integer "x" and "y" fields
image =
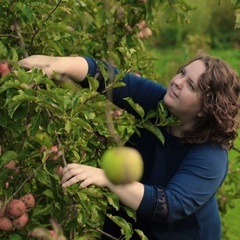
{"x": 154, "y": 206}
{"x": 196, "y": 180}
{"x": 143, "y": 91}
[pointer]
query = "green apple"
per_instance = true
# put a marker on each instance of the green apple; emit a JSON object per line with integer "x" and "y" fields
{"x": 122, "y": 165}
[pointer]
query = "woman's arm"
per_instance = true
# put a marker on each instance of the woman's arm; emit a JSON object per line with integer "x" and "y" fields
{"x": 129, "y": 194}
{"x": 75, "y": 68}
{"x": 78, "y": 68}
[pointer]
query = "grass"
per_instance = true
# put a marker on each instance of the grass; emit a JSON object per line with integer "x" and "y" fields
{"x": 168, "y": 62}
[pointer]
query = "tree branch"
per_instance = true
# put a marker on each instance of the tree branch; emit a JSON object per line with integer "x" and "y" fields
{"x": 50, "y": 14}
{"x": 21, "y": 42}
{"x": 8, "y": 35}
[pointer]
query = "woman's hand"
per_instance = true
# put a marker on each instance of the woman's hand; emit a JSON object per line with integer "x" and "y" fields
{"x": 75, "y": 68}
{"x": 42, "y": 62}
{"x": 129, "y": 194}
{"x": 87, "y": 175}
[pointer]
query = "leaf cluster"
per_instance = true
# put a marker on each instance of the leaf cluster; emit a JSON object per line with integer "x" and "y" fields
{"x": 43, "y": 125}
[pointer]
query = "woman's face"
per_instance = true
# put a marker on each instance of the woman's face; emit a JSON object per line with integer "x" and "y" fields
{"x": 183, "y": 95}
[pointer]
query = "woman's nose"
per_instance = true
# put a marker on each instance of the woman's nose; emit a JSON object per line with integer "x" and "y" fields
{"x": 179, "y": 83}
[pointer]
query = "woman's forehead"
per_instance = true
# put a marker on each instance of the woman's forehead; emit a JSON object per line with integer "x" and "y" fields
{"x": 195, "y": 69}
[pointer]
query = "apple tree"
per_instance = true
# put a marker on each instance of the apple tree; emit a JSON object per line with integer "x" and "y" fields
{"x": 46, "y": 124}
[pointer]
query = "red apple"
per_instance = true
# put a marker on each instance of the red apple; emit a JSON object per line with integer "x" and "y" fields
{"x": 4, "y": 69}
{"x": 15, "y": 208}
{"x": 20, "y": 223}
{"x": 5, "y": 224}
{"x": 28, "y": 200}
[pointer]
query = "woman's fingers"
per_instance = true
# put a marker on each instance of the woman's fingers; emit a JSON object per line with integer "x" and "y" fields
{"x": 70, "y": 166}
{"x": 74, "y": 173}
{"x": 38, "y": 61}
{"x": 72, "y": 180}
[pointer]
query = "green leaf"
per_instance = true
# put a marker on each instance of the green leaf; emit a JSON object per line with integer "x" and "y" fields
{"x": 48, "y": 193}
{"x": 13, "y": 54}
{"x": 237, "y": 24}
{"x": 82, "y": 124}
{"x": 87, "y": 96}
{"x": 93, "y": 192}
{"x": 26, "y": 95}
{"x": 24, "y": 11}
{"x": 93, "y": 84}
{"x": 151, "y": 114}
{"x": 126, "y": 228}
{"x": 66, "y": 83}
{"x": 56, "y": 45}
{"x": 156, "y": 131}
{"x": 7, "y": 157}
{"x": 130, "y": 212}
{"x": 8, "y": 85}
{"x": 136, "y": 107}
{"x": 3, "y": 119}
{"x": 35, "y": 123}
{"x": 52, "y": 128}
{"x": 68, "y": 126}
{"x": 17, "y": 110}
{"x": 42, "y": 210}
{"x": 3, "y": 50}
{"x": 15, "y": 236}
{"x": 162, "y": 111}
{"x": 113, "y": 200}
{"x": 43, "y": 139}
{"x": 73, "y": 224}
{"x": 82, "y": 217}
{"x": 59, "y": 26}
{"x": 85, "y": 201}
{"x": 141, "y": 234}
{"x": 42, "y": 177}
{"x": 236, "y": 3}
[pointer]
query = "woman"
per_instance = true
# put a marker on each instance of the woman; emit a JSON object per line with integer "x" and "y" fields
{"x": 175, "y": 198}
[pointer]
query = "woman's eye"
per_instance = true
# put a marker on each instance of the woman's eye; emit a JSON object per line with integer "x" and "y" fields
{"x": 191, "y": 85}
{"x": 182, "y": 72}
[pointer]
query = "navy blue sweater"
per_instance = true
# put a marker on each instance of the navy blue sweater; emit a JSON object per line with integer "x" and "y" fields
{"x": 180, "y": 182}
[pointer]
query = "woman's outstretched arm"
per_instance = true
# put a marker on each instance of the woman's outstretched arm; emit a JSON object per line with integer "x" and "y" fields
{"x": 75, "y": 68}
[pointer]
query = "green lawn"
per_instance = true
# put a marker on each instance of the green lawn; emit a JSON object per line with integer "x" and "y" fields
{"x": 168, "y": 62}
{"x": 232, "y": 219}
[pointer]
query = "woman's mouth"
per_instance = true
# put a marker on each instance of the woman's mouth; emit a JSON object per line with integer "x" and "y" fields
{"x": 172, "y": 92}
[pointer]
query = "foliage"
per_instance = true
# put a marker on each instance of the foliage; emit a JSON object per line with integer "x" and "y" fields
{"x": 214, "y": 20}
{"x": 43, "y": 125}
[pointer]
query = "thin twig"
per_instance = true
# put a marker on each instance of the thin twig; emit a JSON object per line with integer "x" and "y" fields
{"x": 20, "y": 37}
{"x": 173, "y": 8}
{"x": 34, "y": 35}
{"x": 23, "y": 183}
{"x": 50, "y": 14}
{"x": 106, "y": 234}
{"x": 8, "y": 35}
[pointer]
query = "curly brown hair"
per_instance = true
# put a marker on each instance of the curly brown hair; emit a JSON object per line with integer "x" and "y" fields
{"x": 220, "y": 104}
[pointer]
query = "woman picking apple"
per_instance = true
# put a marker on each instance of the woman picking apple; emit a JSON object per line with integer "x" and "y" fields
{"x": 175, "y": 198}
